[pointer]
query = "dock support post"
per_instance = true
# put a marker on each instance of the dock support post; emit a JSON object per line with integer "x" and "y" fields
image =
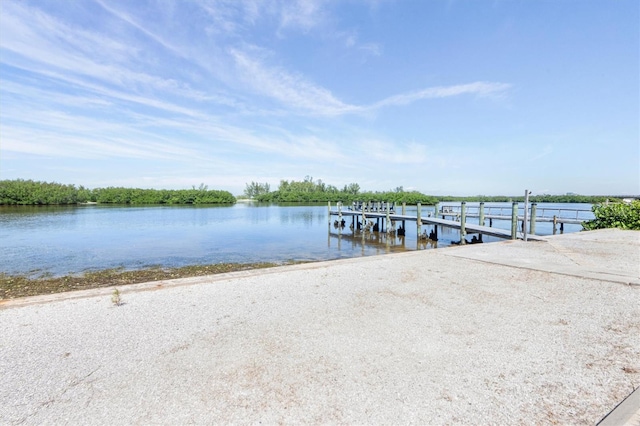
{"x": 514, "y": 220}
{"x": 419, "y": 220}
{"x": 463, "y": 222}
{"x": 388, "y": 219}
{"x": 532, "y": 227}
{"x": 524, "y": 217}
{"x": 329, "y": 211}
{"x": 555, "y": 223}
{"x": 404, "y": 207}
{"x": 481, "y": 219}
{"x": 339, "y": 213}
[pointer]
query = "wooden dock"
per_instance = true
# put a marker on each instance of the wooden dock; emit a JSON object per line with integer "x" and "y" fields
{"x": 545, "y": 214}
{"x": 389, "y": 216}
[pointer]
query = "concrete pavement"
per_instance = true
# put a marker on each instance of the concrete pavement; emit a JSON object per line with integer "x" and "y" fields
{"x": 502, "y": 333}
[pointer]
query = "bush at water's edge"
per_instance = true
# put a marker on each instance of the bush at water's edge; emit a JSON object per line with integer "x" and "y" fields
{"x": 615, "y": 215}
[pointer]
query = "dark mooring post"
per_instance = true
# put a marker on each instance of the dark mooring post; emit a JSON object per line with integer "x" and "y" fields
{"x": 514, "y": 220}
{"x": 463, "y": 222}
{"x": 481, "y": 219}
{"x": 532, "y": 227}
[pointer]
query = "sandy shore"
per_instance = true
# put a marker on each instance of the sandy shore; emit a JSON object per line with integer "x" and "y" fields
{"x": 503, "y": 333}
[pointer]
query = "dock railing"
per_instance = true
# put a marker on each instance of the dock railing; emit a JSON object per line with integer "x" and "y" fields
{"x": 536, "y": 213}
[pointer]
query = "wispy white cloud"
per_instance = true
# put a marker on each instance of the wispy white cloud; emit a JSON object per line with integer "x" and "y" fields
{"x": 290, "y": 89}
{"x": 480, "y": 88}
{"x": 302, "y": 14}
{"x": 124, "y": 16}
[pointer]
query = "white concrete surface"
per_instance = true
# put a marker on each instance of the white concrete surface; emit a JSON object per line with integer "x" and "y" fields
{"x": 501, "y": 333}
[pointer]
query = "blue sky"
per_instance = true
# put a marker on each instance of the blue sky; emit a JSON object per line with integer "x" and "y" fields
{"x": 444, "y": 97}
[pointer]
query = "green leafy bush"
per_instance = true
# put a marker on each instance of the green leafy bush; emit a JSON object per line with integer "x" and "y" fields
{"x": 618, "y": 215}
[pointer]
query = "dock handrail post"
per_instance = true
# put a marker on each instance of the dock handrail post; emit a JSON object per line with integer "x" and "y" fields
{"x": 481, "y": 219}
{"x": 514, "y": 220}
{"x": 532, "y": 227}
{"x": 463, "y": 222}
{"x": 419, "y": 219}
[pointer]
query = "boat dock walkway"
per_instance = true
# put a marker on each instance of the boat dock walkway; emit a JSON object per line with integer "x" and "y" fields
{"x": 470, "y": 228}
{"x": 386, "y": 211}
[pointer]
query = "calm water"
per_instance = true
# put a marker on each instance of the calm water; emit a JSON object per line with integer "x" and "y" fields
{"x": 62, "y": 240}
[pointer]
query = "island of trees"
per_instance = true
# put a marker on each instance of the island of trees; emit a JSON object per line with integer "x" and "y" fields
{"x": 309, "y": 190}
{"x": 29, "y": 192}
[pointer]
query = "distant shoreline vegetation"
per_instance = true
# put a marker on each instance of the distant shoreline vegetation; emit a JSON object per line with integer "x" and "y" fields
{"x": 309, "y": 190}
{"x": 29, "y": 192}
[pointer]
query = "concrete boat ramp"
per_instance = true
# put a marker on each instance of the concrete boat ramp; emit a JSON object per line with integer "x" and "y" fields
{"x": 521, "y": 333}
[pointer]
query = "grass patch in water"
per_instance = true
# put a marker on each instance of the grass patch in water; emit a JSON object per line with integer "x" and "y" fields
{"x": 14, "y": 286}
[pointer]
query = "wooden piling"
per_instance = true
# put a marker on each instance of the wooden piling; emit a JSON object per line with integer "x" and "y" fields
{"x": 514, "y": 220}
{"x": 404, "y": 207}
{"x": 419, "y": 220}
{"x": 463, "y": 222}
{"x": 532, "y": 227}
{"x": 524, "y": 217}
{"x": 388, "y": 219}
{"x": 481, "y": 219}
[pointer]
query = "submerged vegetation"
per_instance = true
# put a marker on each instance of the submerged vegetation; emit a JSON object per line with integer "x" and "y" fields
{"x": 29, "y": 192}
{"x": 13, "y": 286}
{"x": 615, "y": 215}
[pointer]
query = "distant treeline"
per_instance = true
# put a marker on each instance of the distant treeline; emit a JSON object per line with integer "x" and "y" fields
{"x": 29, "y": 192}
{"x": 310, "y": 191}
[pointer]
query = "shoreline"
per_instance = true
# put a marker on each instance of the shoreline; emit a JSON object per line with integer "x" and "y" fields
{"x": 19, "y": 286}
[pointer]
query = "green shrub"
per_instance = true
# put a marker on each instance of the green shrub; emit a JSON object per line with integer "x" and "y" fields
{"x": 618, "y": 215}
